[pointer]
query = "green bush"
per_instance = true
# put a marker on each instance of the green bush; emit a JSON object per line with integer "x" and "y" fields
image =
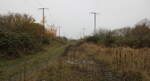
{"x": 12, "y": 44}
{"x": 19, "y": 34}
{"x": 94, "y": 39}
{"x": 103, "y": 37}
{"x": 136, "y": 37}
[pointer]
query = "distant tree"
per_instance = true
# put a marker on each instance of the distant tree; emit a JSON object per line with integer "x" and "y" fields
{"x": 139, "y": 36}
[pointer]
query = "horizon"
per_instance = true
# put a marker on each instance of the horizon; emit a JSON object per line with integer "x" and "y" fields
{"x": 73, "y": 15}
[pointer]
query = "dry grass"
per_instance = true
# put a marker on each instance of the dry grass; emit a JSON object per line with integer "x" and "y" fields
{"x": 90, "y": 62}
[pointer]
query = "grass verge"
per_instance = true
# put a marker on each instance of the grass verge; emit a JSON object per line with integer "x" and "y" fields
{"x": 10, "y": 67}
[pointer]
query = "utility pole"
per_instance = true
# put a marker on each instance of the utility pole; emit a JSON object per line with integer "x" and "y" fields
{"x": 43, "y": 22}
{"x": 43, "y": 10}
{"x": 59, "y": 30}
{"x": 84, "y": 32}
{"x": 95, "y": 20}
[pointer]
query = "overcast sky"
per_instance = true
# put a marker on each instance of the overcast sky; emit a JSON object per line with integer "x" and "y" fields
{"x": 73, "y": 15}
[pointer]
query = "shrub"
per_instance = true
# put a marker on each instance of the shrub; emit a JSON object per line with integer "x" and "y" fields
{"x": 13, "y": 43}
{"x": 19, "y": 34}
{"x": 137, "y": 37}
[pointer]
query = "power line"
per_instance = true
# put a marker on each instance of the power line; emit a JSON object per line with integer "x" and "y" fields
{"x": 38, "y": 2}
{"x": 44, "y": 4}
{"x": 30, "y": 3}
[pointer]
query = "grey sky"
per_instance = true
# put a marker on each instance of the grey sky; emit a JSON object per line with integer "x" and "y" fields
{"x": 73, "y": 15}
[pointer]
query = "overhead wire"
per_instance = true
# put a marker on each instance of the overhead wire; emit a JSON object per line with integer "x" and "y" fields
{"x": 43, "y": 3}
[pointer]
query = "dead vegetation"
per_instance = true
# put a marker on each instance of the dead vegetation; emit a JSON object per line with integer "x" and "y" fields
{"x": 90, "y": 62}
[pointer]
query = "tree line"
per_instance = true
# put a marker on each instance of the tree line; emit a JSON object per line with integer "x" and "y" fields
{"x": 134, "y": 37}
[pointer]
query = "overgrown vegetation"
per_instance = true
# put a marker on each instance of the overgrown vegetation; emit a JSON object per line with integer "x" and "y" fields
{"x": 136, "y": 37}
{"x": 105, "y": 56}
{"x": 91, "y": 62}
{"x": 21, "y": 35}
{"x": 112, "y": 57}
